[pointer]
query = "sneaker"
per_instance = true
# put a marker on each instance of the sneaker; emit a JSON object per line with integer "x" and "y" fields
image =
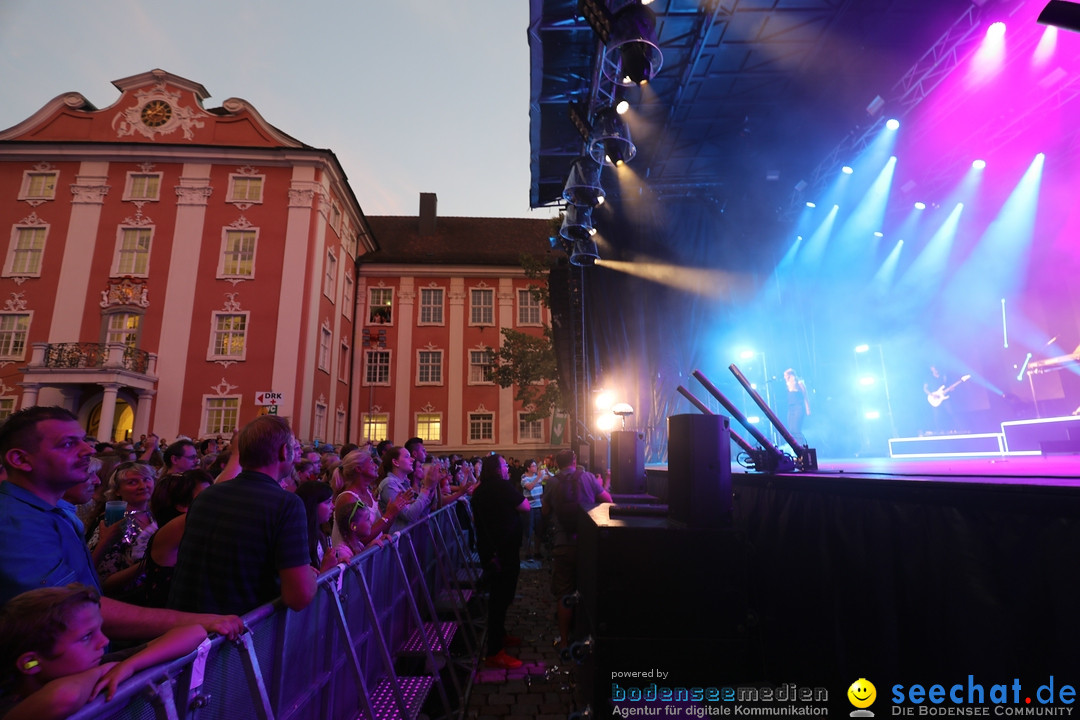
{"x": 511, "y": 641}
{"x": 502, "y": 660}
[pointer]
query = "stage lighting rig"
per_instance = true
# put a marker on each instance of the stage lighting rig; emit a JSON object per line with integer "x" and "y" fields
{"x": 1058, "y": 13}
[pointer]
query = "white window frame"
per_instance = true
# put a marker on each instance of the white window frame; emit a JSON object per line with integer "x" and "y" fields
{"x": 222, "y": 427}
{"x": 108, "y": 330}
{"x": 25, "y": 333}
{"x": 527, "y": 303}
{"x": 46, "y": 193}
{"x": 330, "y": 279}
{"x": 439, "y": 308}
{"x": 478, "y": 312}
{"x": 472, "y": 379}
{"x": 335, "y": 217}
{"x": 215, "y": 332}
{"x": 344, "y": 360}
{"x": 439, "y": 422}
{"x": 7, "y": 406}
{"x": 326, "y": 341}
{"x": 231, "y": 197}
{"x": 225, "y": 253}
{"x": 372, "y": 421}
{"x": 339, "y": 426}
{"x": 133, "y": 177}
{"x": 318, "y": 423}
{"x": 477, "y": 417}
{"x": 420, "y": 364}
{"x": 368, "y": 354}
{"x": 13, "y": 249}
{"x": 372, "y": 306}
{"x": 523, "y": 439}
{"x": 118, "y": 254}
{"x": 348, "y": 296}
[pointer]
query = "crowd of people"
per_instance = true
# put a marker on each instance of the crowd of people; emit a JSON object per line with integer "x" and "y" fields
{"x": 168, "y": 542}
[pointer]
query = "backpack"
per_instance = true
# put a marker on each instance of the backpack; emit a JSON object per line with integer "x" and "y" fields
{"x": 566, "y": 500}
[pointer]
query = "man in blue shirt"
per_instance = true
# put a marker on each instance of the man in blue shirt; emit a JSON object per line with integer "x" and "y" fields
{"x": 45, "y": 453}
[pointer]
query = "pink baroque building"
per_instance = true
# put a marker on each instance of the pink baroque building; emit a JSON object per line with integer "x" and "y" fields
{"x": 176, "y": 269}
{"x": 431, "y": 301}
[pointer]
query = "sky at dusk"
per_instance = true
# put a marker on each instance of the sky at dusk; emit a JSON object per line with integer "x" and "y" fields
{"x": 411, "y": 95}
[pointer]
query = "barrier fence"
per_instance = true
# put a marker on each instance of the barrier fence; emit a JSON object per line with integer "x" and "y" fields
{"x": 386, "y": 635}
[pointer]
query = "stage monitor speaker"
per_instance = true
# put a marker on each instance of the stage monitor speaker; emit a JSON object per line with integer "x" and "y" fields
{"x": 699, "y": 470}
{"x": 627, "y": 462}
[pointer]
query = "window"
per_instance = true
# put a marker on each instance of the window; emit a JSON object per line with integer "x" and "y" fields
{"x": 375, "y": 426}
{"x": 343, "y": 362}
{"x": 335, "y": 217}
{"x": 431, "y": 306}
{"x": 7, "y": 407}
{"x": 133, "y": 253}
{"x": 319, "y": 429}
{"x": 220, "y": 414}
{"x": 330, "y": 282}
{"x": 238, "y": 254}
{"x": 14, "y": 328}
{"x": 528, "y": 308}
{"x": 122, "y": 328}
{"x": 530, "y": 430}
{"x": 27, "y": 247}
{"x": 339, "y": 426}
{"x": 481, "y": 427}
{"x": 381, "y": 306}
{"x": 429, "y": 367}
{"x": 326, "y": 339}
{"x": 347, "y": 298}
{"x": 481, "y": 364}
{"x": 142, "y": 186}
{"x": 429, "y": 427}
{"x": 228, "y": 337}
{"x": 39, "y": 185}
{"x": 245, "y": 189}
{"x": 377, "y": 367}
{"x": 482, "y": 306}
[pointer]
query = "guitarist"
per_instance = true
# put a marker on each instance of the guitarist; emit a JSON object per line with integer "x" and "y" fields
{"x": 942, "y": 419}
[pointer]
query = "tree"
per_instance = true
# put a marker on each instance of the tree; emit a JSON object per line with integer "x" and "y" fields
{"x": 526, "y": 361}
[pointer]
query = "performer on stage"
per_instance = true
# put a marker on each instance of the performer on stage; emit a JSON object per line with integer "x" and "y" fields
{"x": 798, "y": 404}
{"x": 941, "y": 419}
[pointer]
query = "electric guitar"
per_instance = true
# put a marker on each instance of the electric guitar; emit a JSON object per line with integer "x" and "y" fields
{"x": 942, "y": 393}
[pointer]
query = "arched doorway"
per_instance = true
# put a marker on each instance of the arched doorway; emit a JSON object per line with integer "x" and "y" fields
{"x": 123, "y": 422}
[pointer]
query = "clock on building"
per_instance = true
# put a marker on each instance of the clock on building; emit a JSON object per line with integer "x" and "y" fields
{"x": 156, "y": 113}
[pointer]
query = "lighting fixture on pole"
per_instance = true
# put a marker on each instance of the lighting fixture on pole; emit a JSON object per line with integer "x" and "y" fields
{"x": 578, "y": 231}
{"x": 610, "y": 138}
{"x": 631, "y": 53}
{"x": 583, "y": 184}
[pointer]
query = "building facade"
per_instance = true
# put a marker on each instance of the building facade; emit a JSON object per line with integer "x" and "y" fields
{"x": 175, "y": 269}
{"x": 432, "y": 301}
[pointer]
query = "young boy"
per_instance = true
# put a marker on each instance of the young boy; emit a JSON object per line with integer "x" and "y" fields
{"x": 51, "y": 647}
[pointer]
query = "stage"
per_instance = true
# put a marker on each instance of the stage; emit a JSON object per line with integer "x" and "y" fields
{"x": 896, "y": 570}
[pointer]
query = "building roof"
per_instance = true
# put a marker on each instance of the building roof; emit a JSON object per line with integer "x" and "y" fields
{"x": 460, "y": 240}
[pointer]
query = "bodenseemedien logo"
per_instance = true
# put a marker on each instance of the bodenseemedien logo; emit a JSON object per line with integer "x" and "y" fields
{"x": 862, "y": 694}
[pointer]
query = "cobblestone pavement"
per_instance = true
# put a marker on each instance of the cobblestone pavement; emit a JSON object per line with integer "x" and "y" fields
{"x": 542, "y": 688}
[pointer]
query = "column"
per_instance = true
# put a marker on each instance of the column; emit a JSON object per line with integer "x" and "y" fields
{"x": 108, "y": 412}
{"x": 402, "y": 380}
{"x": 141, "y": 424}
{"x": 30, "y": 394}
{"x": 456, "y": 379}
{"x": 506, "y": 434}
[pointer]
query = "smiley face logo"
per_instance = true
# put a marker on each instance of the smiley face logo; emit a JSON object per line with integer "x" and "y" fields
{"x": 862, "y": 693}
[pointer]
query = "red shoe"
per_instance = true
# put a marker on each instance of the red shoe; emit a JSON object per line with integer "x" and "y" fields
{"x": 502, "y": 660}
{"x": 511, "y": 641}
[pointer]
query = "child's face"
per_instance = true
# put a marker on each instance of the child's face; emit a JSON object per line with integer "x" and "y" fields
{"x": 324, "y": 511}
{"x": 78, "y": 648}
{"x": 361, "y": 525}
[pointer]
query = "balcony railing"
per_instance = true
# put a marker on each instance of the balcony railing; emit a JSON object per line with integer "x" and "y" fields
{"x": 95, "y": 355}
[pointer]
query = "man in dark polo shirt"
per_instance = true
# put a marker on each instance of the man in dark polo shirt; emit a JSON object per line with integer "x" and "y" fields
{"x": 246, "y": 539}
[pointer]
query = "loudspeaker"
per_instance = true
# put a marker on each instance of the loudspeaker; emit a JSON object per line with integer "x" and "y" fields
{"x": 627, "y": 462}
{"x": 699, "y": 470}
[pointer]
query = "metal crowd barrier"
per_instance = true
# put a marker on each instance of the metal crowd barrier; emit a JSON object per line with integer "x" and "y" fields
{"x": 344, "y": 656}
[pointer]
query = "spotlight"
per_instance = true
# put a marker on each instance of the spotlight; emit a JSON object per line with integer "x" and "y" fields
{"x": 631, "y": 54}
{"x": 610, "y": 138}
{"x": 893, "y": 124}
{"x": 920, "y": 206}
{"x": 847, "y": 170}
{"x": 872, "y": 414}
{"x": 811, "y": 204}
{"x": 867, "y": 380}
{"x": 583, "y": 184}
{"x": 622, "y": 106}
{"x": 862, "y": 348}
{"x": 577, "y": 223}
{"x": 979, "y": 164}
{"x": 878, "y": 234}
{"x": 584, "y": 253}
{"x": 996, "y": 30}
{"x": 1059, "y": 13}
